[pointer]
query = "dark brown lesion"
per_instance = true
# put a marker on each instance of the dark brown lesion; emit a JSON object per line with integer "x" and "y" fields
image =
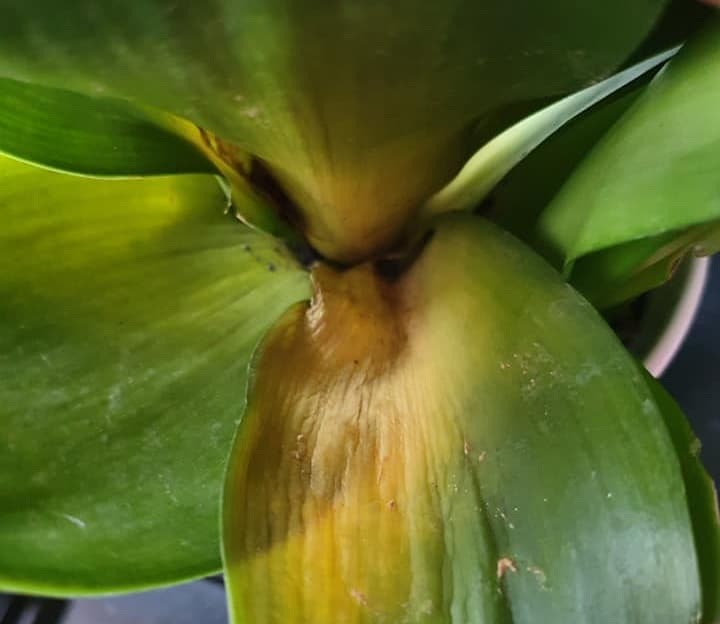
{"x": 258, "y": 175}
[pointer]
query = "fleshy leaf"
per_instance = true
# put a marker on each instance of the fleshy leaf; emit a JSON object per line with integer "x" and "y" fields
{"x": 464, "y": 443}
{"x": 496, "y": 158}
{"x": 702, "y": 500}
{"x": 656, "y": 170}
{"x": 611, "y": 276}
{"x": 92, "y": 136}
{"x": 361, "y": 109}
{"x": 519, "y": 199}
{"x": 128, "y": 312}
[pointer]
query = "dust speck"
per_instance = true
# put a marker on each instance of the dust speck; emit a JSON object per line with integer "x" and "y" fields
{"x": 538, "y": 573}
{"x": 74, "y": 520}
{"x": 695, "y": 447}
{"x": 359, "y": 597}
{"x": 504, "y": 565}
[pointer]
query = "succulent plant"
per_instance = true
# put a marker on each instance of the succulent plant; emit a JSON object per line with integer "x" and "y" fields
{"x": 311, "y": 292}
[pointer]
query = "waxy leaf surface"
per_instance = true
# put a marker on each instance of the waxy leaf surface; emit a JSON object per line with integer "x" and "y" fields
{"x": 494, "y": 160}
{"x": 92, "y": 136}
{"x": 656, "y": 170}
{"x": 466, "y": 443}
{"x": 128, "y": 312}
{"x": 702, "y": 499}
{"x": 361, "y": 108}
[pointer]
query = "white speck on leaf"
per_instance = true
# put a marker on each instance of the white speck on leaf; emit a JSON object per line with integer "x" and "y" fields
{"x": 359, "y": 597}
{"x": 539, "y": 574}
{"x": 74, "y": 520}
{"x": 587, "y": 372}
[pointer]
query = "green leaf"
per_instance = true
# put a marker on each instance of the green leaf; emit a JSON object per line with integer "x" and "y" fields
{"x": 610, "y": 276}
{"x": 465, "y": 443}
{"x": 495, "y": 159}
{"x": 128, "y": 312}
{"x": 656, "y": 170}
{"x": 362, "y": 109}
{"x": 92, "y": 136}
{"x": 702, "y": 500}
{"x": 519, "y": 199}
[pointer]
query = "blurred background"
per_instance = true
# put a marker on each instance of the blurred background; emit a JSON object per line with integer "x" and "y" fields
{"x": 693, "y": 378}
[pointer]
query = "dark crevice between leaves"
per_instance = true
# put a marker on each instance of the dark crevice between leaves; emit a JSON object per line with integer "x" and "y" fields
{"x": 258, "y": 175}
{"x": 679, "y": 20}
{"x": 261, "y": 179}
{"x": 392, "y": 268}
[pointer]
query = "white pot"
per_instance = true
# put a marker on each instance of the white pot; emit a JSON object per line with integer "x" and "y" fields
{"x": 669, "y": 314}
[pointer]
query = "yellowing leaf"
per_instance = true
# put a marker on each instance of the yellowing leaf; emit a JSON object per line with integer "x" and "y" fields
{"x": 464, "y": 443}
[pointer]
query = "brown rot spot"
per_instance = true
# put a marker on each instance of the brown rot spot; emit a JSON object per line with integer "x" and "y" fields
{"x": 233, "y": 161}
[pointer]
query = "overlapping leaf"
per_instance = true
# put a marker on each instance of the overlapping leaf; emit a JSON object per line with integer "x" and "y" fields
{"x": 498, "y": 157}
{"x": 361, "y": 108}
{"x": 92, "y": 136}
{"x": 650, "y": 180}
{"x": 467, "y": 443}
{"x": 702, "y": 499}
{"x": 128, "y": 311}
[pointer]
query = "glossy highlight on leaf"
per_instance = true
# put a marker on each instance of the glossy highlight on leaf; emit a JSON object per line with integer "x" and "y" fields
{"x": 128, "y": 313}
{"x": 452, "y": 445}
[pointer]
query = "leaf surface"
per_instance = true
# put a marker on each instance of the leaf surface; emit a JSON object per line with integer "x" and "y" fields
{"x": 362, "y": 109}
{"x": 702, "y": 499}
{"x": 656, "y": 170}
{"x": 92, "y": 136}
{"x": 128, "y": 313}
{"x": 492, "y": 162}
{"x": 466, "y": 443}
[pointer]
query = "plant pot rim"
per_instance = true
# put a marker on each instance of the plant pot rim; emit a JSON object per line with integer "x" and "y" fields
{"x": 671, "y": 313}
